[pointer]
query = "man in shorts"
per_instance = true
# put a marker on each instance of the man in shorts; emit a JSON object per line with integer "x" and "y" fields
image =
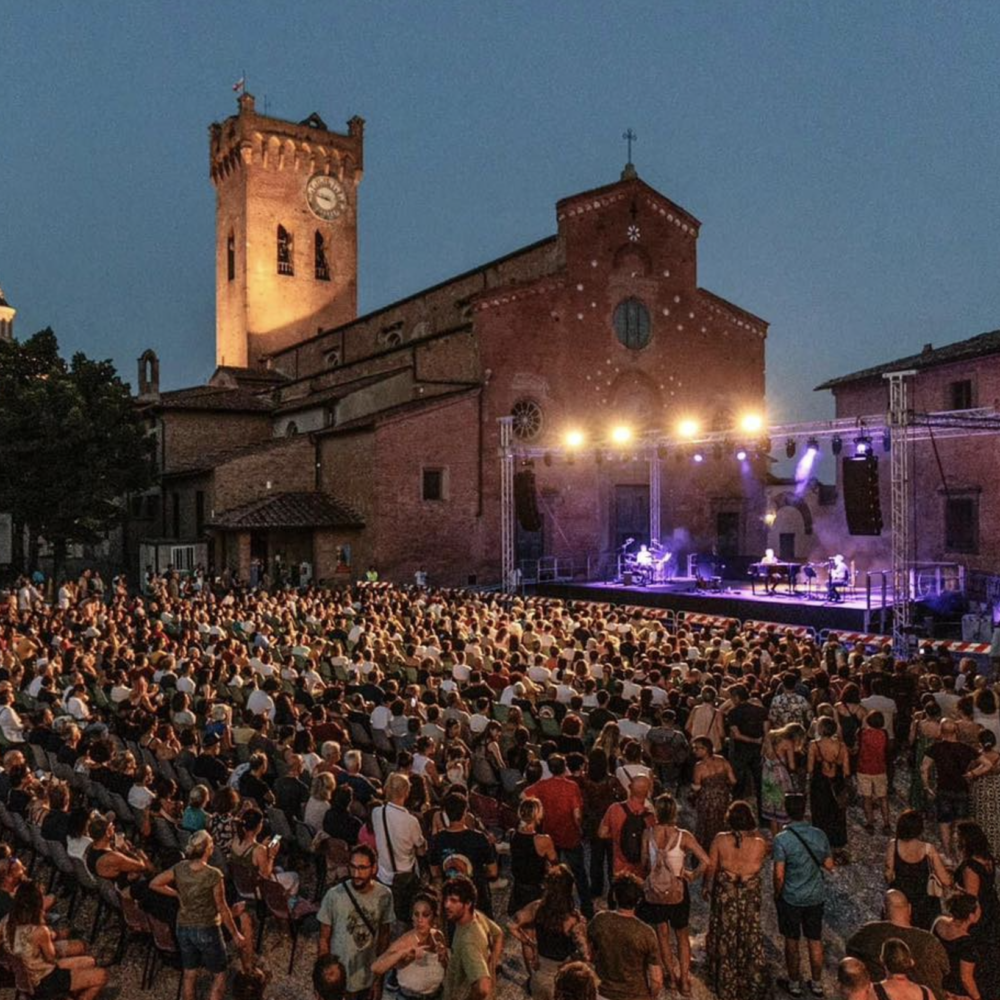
{"x": 801, "y": 854}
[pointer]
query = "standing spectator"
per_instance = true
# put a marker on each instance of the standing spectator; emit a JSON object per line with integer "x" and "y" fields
{"x": 202, "y": 912}
{"x": 780, "y": 770}
{"x": 399, "y": 840}
{"x": 668, "y": 846}
{"x": 984, "y": 777}
{"x": 930, "y": 959}
{"x": 788, "y": 706}
{"x": 910, "y": 863}
{"x": 954, "y": 932}
{"x": 354, "y": 920}
{"x": 600, "y": 790}
{"x": 951, "y": 759}
{"x": 551, "y": 931}
{"x": 624, "y": 825}
{"x": 531, "y": 853}
{"x": 562, "y": 820}
{"x": 420, "y": 955}
{"x": 626, "y": 954}
{"x": 668, "y": 748}
{"x": 458, "y": 839}
{"x": 734, "y": 945}
{"x": 977, "y": 876}
{"x": 476, "y": 947}
{"x": 746, "y": 723}
{"x": 854, "y": 980}
{"x": 801, "y": 854}
{"x": 706, "y": 720}
{"x": 828, "y": 768}
{"x": 711, "y": 788}
{"x": 873, "y": 770}
{"x": 898, "y": 985}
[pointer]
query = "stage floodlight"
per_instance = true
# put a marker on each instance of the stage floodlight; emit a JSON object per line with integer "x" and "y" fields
{"x": 741, "y": 455}
{"x": 621, "y": 434}
{"x": 812, "y": 445}
{"x": 688, "y": 427}
{"x": 699, "y": 457}
{"x": 886, "y": 440}
{"x": 770, "y": 517}
{"x": 790, "y": 448}
{"x": 751, "y": 423}
{"x": 836, "y": 445}
{"x": 574, "y": 440}
{"x": 863, "y": 446}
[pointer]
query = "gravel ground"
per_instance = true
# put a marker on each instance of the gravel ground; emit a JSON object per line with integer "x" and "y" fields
{"x": 854, "y": 896}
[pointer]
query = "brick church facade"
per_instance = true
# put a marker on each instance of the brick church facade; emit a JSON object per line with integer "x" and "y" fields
{"x": 346, "y": 441}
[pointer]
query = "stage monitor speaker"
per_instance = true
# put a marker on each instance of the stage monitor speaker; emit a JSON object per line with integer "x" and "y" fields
{"x": 526, "y": 501}
{"x": 862, "y": 504}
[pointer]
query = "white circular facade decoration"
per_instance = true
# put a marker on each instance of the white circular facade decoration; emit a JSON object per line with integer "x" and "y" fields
{"x": 528, "y": 419}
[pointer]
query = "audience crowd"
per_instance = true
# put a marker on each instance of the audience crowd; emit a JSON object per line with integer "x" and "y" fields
{"x": 410, "y": 779}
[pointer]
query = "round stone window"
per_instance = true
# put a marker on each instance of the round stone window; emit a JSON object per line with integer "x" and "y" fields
{"x": 631, "y": 321}
{"x": 527, "y": 416}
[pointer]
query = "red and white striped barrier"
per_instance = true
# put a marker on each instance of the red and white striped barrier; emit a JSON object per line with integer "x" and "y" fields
{"x": 955, "y": 646}
{"x": 799, "y": 631}
{"x": 865, "y": 638}
{"x": 714, "y": 621}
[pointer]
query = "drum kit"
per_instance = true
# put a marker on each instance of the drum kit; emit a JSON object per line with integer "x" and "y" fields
{"x": 650, "y": 564}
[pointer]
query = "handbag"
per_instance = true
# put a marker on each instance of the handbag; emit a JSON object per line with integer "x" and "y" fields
{"x": 405, "y": 885}
{"x": 935, "y": 887}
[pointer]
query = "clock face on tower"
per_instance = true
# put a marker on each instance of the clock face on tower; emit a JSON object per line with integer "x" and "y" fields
{"x": 325, "y": 196}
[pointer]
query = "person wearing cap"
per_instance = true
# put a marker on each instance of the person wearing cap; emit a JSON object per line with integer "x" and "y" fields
{"x": 209, "y": 767}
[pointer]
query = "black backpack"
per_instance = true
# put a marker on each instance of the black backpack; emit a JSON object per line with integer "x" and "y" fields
{"x": 630, "y": 837}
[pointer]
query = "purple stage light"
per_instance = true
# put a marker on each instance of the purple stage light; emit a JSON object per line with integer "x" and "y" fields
{"x": 699, "y": 457}
{"x": 741, "y": 455}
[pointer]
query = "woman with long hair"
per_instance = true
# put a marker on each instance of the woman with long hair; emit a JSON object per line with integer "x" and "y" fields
{"x": 925, "y": 729}
{"x": 734, "y": 946}
{"x": 419, "y": 955}
{"x": 531, "y": 853}
{"x": 955, "y": 934}
{"x": 977, "y": 876}
{"x": 910, "y": 861}
{"x": 675, "y": 845}
{"x": 779, "y": 764}
{"x": 898, "y": 963}
{"x": 246, "y": 851}
{"x": 609, "y": 740}
{"x": 711, "y": 788}
{"x": 551, "y": 931}
{"x": 28, "y": 938}
{"x": 829, "y": 766}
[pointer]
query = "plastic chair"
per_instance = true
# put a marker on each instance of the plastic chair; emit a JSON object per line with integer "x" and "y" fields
{"x": 165, "y": 949}
{"x": 135, "y": 924}
{"x": 278, "y": 904}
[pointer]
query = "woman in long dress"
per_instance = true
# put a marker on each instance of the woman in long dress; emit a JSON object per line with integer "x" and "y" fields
{"x": 924, "y": 731}
{"x": 829, "y": 768}
{"x": 712, "y": 789}
{"x": 779, "y": 766}
{"x": 984, "y": 777}
{"x": 734, "y": 946}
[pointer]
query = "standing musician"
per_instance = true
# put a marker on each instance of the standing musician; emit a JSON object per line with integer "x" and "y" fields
{"x": 838, "y": 576}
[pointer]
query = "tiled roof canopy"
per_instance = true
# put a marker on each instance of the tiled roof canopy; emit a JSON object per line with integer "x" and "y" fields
{"x": 290, "y": 510}
{"x": 929, "y": 357}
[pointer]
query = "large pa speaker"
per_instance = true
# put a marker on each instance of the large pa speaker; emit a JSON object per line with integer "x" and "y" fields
{"x": 862, "y": 504}
{"x": 526, "y": 501}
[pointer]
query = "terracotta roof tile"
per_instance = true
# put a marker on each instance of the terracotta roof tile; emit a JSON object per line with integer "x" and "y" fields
{"x": 290, "y": 510}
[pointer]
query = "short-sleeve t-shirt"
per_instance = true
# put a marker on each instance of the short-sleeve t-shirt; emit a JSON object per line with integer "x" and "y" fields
{"x": 196, "y": 894}
{"x": 470, "y": 956}
{"x": 952, "y": 759}
{"x": 803, "y": 876}
{"x": 559, "y": 797}
{"x": 350, "y": 939}
{"x": 624, "y": 948}
{"x": 614, "y": 820}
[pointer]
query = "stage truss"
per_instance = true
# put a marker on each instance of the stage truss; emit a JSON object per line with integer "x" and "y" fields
{"x": 900, "y": 427}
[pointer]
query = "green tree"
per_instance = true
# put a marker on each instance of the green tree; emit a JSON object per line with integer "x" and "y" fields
{"x": 71, "y": 445}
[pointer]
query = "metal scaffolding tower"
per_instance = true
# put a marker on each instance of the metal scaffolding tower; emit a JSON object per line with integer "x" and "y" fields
{"x": 654, "y": 496}
{"x": 507, "y": 554}
{"x": 898, "y": 420}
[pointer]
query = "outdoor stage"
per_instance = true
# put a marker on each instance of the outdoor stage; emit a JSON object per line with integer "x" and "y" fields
{"x": 735, "y": 601}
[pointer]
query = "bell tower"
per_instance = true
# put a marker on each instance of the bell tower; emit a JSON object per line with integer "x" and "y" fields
{"x": 7, "y": 314}
{"x": 286, "y": 230}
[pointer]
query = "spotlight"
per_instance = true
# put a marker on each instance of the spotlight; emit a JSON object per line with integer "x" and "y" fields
{"x": 574, "y": 439}
{"x": 886, "y": 440}
{"x": 621, "y": 434}
{"x": 699, "y": 457}
{"x": 741, "y": 455}
{"x": 752, "y": 423}
{"x": 812, "y": 445}
{"x": 790, "y": 448}
{"x": 863, "y": 446}
{"x": 688, "y": 427}
{"x": 770, "y": 517}
{"x": 836, "y": 445}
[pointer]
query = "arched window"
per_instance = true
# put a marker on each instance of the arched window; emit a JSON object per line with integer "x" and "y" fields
{"x": 631, "y": 322}
{"x": 322, "y": 267}
{"x": 291, "y": 428}
{"x": 231, "y": 257}
{"x": 285, "y": 251}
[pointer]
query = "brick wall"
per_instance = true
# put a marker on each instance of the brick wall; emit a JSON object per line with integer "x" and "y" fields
{"x": 289, "y": 466}
{"x": 188, "y": 435}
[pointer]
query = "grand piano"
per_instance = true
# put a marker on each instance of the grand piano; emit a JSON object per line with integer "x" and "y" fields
{"x": 770, "y": 573}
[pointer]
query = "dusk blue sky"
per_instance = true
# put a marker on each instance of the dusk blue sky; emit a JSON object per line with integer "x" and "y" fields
{"x": 842, "y": 157}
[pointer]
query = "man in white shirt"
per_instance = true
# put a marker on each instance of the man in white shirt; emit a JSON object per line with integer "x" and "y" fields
{"x": 539, "y": 673}
{"x": 10, "y": 722}
{"x": 878, "y": 702}
{"x": 631, "y": 726}
{"x": 260, "y": 702}
{"x": 76, "y": 703}
{"x": 380, "y": 718}
{"x": 404, "y": 831}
